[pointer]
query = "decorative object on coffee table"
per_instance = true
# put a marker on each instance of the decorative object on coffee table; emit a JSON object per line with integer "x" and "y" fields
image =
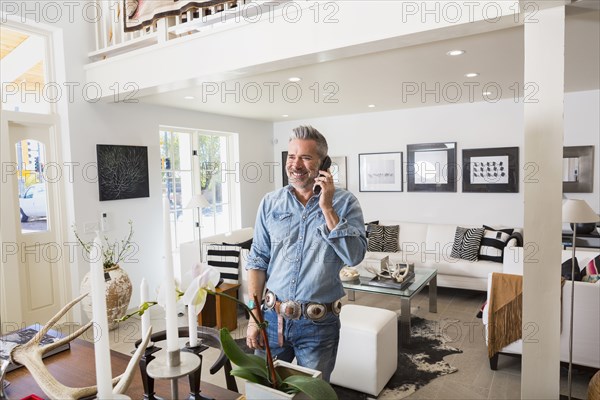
{"x": 575, "y": 212}
{"x": 431, "y": 167}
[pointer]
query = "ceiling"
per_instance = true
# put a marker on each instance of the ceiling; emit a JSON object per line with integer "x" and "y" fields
{"x": 416, "y": 76}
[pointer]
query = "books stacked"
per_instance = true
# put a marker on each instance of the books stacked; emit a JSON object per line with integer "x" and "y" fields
{"x": 22, "y": 336}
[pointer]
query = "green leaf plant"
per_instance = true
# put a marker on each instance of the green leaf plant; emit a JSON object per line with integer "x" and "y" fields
{"x": 250, "y": 367}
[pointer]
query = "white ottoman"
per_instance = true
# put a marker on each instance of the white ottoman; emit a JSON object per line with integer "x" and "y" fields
{"x": 368, "y": 351}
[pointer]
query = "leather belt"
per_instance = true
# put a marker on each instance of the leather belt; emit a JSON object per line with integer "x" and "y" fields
{"x": 291, "y": 309}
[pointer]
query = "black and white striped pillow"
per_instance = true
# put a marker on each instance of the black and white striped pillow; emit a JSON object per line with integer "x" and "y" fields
{"x": 226, "y": 260}
{"x": 493, "y": 243}
{"x": 466, "y": 243}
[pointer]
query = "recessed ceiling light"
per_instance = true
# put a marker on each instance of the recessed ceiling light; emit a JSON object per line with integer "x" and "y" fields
{"x": 294, "y": 79}
{"x": 455, "y": 52}
{"x": 371, "y": 106}
{"x": 189, "y": 97}
{"x": 284, "y": 115}
{"x": 472, "y": 74}
{"x": 487, "y": 93}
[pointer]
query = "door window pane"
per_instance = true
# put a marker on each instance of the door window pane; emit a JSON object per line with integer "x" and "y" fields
{"x": 33, "y": 196}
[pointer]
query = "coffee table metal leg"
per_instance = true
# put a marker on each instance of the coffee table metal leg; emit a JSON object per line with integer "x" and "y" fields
{"x": 433, "y": 295}
{"x": 405, "y": 320}
{"x": 351, "y": 295}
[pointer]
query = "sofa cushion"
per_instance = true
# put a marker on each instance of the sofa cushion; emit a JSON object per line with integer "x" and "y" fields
{"x": 226, "y": 260}
{"x": 439, "y": 239}
{"x": 247, "y": 244}
{"x": 493, "y": 243}
{"x": 457, "y": 267}
{"x": 567, "y": 267}
{"x": 592, "y": 267}
{"x": 466, "y": 243}
{"x": 376, "y": 238}
{"x": 390, "y": 238}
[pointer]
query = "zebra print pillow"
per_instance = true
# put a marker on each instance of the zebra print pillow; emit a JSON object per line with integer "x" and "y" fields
{"x": 226, "y": 260}
{"x": 383, "y": 238}
{"x": 466, "y": 243}
{"x": 376, "y": 238}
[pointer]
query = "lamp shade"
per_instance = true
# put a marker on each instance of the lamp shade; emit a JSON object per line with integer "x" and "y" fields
{"x": 577, "y": 211}
{"x": 196, "y": 201}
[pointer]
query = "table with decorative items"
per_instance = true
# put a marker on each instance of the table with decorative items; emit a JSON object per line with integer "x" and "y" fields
{"x": 422, "y": 277}
{"x": 74, "y": 367}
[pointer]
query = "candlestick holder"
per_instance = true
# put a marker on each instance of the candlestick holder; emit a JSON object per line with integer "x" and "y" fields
{"x": 173, "y": 365}
{"x": 194, "y": 377}
{"x": 147, "y": 381}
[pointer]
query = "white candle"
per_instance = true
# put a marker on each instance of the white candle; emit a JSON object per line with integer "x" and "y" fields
{"x": 143, "y": 299}
{"x": 193, "y": 325}
{"x": 171, "y": 312}
{"x": 101, "y": 344}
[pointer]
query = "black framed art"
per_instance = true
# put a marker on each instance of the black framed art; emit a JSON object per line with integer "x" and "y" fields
{"x": 122, "y": 172}
{"x": 284, "y": 156}
{"x": 431, "y": 167}
{"x": 380, "y": 172}
{"x": 493, "y": 170}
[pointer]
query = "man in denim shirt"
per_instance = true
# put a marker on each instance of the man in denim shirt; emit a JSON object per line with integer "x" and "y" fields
{"x": 301, "y": 241}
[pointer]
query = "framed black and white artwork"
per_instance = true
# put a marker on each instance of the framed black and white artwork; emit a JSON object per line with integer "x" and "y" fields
{"x": 380, "y": 172}
{"x": 493, "y": 170}
{"x": 338, "y": 171}
{"x": 122, "y": 172}
{"x": 431, "y": 167}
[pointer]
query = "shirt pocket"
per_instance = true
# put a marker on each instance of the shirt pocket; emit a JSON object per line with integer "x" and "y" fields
{"x": 279, "y": 226}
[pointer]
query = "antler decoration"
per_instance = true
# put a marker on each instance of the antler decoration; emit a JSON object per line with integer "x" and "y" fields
{"x": 30, "y": 355}
{"x": 399, "y": 274}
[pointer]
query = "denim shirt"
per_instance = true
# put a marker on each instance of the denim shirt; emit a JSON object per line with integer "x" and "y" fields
{"x": 301, "y": 256}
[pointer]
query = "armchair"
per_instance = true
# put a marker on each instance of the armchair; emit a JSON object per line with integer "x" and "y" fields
{"x": 586, "y": 344}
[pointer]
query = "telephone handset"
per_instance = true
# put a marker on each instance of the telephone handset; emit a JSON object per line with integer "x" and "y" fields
{"x": 323, "y": 167}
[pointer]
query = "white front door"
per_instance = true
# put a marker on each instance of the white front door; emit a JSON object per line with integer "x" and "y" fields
{"x": 40, "y": 258}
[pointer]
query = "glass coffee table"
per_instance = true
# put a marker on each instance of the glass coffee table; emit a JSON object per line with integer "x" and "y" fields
{"x": 423, "y": 277}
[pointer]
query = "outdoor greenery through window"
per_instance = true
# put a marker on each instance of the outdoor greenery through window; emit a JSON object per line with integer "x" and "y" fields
{"x": 192, "y": 162}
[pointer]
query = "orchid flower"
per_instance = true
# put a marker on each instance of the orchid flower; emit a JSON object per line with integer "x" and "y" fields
{"x": 205, "y": 282}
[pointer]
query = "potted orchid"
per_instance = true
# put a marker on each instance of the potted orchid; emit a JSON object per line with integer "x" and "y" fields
{"x": 265, "y": 378}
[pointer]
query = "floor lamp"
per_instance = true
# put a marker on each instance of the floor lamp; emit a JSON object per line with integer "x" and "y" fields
{"x": 574, "y": 212}
{"x": 198, "y": 201}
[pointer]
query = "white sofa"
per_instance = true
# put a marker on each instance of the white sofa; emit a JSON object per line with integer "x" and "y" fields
{"x": 429, "y": 246}
{"x": 586, "y": 318}
{"x": 189, "y": 255}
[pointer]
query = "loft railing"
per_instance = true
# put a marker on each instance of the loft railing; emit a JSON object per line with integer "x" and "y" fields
{"x": 111, "y": 38}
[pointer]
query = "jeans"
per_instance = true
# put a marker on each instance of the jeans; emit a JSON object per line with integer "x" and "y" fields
{"x": 313, "y": 343}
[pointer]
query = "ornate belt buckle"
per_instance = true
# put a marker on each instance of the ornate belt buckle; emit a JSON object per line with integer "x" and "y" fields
{"x": 315, "y": 311}
{"x": 290, "y": 309}
{"x": 270, "y": 300}
{"x": 336, "y": 307}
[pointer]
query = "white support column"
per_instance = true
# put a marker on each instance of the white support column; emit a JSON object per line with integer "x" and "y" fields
{"x": 543, "y": 114}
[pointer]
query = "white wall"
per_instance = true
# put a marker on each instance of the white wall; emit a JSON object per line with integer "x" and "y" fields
{"x": 474, "y": 125}
{"x": 89, "y": 123}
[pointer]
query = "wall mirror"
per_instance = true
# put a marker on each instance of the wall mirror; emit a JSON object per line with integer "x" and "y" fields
{"x": 578, "y": 169}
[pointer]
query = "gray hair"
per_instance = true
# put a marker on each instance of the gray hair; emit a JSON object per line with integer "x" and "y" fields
{"x": 307, "y": 132}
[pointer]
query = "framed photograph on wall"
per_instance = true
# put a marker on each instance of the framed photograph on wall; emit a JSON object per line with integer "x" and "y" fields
{"x": 338, "y": 170}
{"x": 380, "y": 172}
{"x": 431, "y": 167}
{"x": 122, "y": 172}
{"x": 493, "y": 170}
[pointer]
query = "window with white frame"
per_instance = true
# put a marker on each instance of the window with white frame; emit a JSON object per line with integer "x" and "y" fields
{"x": 193, "y": 162}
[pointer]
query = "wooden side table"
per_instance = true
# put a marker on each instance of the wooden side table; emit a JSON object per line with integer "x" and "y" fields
{"x": 220, "y": 311}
